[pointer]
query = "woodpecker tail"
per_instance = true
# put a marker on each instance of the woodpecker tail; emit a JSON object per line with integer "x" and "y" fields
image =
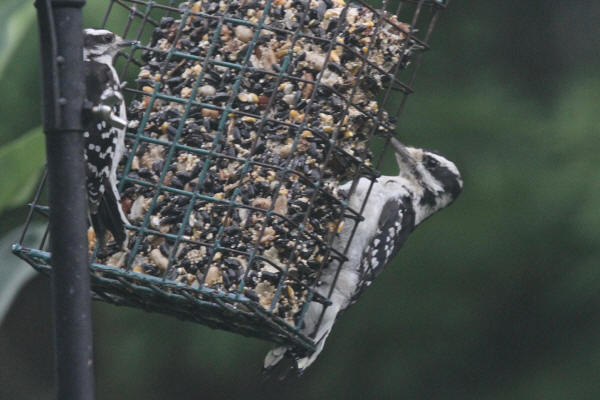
{"x": 278, "y": 362}
{"x": 279, "y": 359}
{"x": 110, "y": 216}
{"x": 303, "y": 361}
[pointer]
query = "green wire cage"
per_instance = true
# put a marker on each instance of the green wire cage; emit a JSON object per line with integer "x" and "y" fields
{"x": 245, "y": 117}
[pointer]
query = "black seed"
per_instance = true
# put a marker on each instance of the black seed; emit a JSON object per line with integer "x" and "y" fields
{"x": 176, "y": 182}
{"x": 270, "y": 276}
{"x": 150, "y": 269}
{"x": 166, "y": 22}
{"x": 251, "y": 294}
{"x": 169, "y": 220}
{"x": 157, "y": 167}
{"x": 226, "y": 280}
{"x": 320, "y": 11}
{"x": 172, "y": 131}
{"x": 337, "y": 68}
{"x": 233, "y": 275}
{"x": 164, "y": 249}
{"x": 260, "y": 147}
{"x": 145, "y": 173}
{"x": 220, "y": 97}
{"x": 176, "y": 80}
{"x": 232, "y": 263}
{"x": 182, "y": 200}
{"x": 172, "y": 274}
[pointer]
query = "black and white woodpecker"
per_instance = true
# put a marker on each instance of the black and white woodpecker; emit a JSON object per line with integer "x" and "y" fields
{"x": 427, "y": 182}
{"x": 105, "y": 122}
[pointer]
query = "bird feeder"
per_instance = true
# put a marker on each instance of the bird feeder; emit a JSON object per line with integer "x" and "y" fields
{"x": 244, "y": 118}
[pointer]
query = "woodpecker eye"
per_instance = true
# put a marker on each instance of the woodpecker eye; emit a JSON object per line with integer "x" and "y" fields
{"x": 431, "y": 163}
{"x": 108, "y": 38}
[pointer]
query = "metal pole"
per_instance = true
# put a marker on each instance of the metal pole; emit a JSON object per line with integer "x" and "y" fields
{"x": 61, "y": 44}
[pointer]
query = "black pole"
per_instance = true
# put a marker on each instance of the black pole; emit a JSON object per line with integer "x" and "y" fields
{"x": 61, "y": 44}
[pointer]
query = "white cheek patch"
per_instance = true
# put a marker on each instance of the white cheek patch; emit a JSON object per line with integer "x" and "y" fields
{"x": 430, "y": 182}
{"x": 96, "y": 32}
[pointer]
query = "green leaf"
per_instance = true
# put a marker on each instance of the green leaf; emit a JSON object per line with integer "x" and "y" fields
{"x": 16, "y": 17}
{"x": 20, "y": 162}
{"x": 14, "y": 272}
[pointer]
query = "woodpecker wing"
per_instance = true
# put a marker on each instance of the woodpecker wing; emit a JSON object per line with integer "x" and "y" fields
{"x": 108, "y": 216}
{"x": 396, "y": 222}
{"x": 101, "y": 140}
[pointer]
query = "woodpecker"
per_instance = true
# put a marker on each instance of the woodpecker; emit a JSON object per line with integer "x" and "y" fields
{"x": 105, "y": 122}
{"x": 427, "y": 183}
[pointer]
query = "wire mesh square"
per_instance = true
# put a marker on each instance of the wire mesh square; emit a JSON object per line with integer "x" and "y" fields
{"x": 245, "y": 117}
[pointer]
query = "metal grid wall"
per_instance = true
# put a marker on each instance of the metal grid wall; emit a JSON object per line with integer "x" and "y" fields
{"x": 217, "y": 308}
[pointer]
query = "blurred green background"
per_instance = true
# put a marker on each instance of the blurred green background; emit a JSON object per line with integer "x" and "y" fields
{"x": 497, "y": 297}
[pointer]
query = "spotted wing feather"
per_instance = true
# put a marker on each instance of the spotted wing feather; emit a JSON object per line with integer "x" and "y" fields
{"x": 101, "y": 142}
{"x": 396, "y": 223}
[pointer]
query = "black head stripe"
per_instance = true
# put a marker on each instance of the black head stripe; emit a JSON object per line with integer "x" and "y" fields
{"x": 91, "y": 40}
{"x": 447, "y": 178}
{"x": 428, "y": 198}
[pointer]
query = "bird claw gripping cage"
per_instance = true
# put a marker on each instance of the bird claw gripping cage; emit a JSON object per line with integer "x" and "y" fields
{"x": 245, "y": 116}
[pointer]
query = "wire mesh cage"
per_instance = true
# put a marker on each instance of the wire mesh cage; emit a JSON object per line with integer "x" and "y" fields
{"x": 245, "y": 118}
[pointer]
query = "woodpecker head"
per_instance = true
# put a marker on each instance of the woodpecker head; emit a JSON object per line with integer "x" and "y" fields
{"x": 439, "y": 177}
{"x": 101, "y": 43}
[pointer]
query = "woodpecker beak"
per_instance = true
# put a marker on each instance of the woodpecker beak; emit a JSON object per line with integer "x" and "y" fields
{"x": 125, "y": 43}
{"x": 404, "y": 157}
{"x": 402, "y": 153}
